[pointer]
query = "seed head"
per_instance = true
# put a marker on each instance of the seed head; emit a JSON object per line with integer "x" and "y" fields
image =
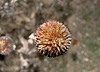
{"x": 53, "y": 39}
{"x": 6, "y": 45}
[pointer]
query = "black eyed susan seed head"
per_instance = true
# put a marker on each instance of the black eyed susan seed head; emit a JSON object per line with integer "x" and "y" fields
{"x": 6, "y": 45}
{"x": 53, "y": 39}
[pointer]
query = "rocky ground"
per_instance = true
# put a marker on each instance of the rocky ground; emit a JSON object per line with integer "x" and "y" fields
{"x": 20, "y": 18}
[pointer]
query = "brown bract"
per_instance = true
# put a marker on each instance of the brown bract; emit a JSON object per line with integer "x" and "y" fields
{"x": 53, "y": 39}
{"x": 6, "y": 45}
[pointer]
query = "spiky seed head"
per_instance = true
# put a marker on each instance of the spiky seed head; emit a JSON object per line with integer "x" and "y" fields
{"x": 6, "y": 45}
{"x": 53, "y": 39}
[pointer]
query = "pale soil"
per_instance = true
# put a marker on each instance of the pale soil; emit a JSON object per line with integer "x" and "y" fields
{"x": 22, "y": 18}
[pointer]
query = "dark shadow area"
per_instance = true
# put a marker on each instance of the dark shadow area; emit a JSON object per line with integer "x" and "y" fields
{"x": 74, "y": 56}
{"x": 2, "y": 57}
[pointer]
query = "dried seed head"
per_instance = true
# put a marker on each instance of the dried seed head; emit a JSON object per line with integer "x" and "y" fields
{"x": 53, "y": 39}
{"x": 6, "y": 45}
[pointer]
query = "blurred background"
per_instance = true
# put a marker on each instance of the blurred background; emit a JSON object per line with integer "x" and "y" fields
{"x": 20, "y": 18}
